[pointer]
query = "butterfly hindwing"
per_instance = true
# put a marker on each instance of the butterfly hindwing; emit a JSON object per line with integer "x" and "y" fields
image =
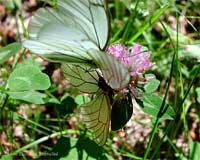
{"x": 122, "y": 110}
{"x": 96, "y": 116}
{"x": 83, "y": 78}
{"x": 96, "y": 113}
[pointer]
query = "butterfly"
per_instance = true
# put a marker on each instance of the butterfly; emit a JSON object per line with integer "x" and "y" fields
{"x": 75, "y": 34}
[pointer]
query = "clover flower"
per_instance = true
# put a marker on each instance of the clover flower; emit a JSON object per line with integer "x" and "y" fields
{"x": 136, "y": 60}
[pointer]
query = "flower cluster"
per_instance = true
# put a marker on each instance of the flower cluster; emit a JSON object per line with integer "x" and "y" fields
{"x": 136, "y": 60}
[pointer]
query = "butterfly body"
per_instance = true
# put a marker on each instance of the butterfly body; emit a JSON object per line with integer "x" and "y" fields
{"x": 106, "y": 88}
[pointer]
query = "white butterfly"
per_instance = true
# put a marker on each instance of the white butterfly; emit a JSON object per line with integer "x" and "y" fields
{"x": 75, "y": 33}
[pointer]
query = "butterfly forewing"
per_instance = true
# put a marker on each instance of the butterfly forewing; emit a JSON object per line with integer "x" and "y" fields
{"x": 90, "y": 17}
{"x": 99, "y": 16}
{"x": 96, "y": 116}
{"x": 59, "y": 53}
{"x": 69, "y": 31}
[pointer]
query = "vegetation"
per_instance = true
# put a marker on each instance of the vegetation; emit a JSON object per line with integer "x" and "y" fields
{"x": 39, "y": 107}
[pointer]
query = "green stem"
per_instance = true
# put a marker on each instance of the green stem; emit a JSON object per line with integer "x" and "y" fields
{"x": 163, "y": 107}
{"x": 151, "y": 138}
{"x": 43, "y": 139}
{"x": 129, "y": 24}
{"x": 32, "y": 122}
{"x": 176, "y": 64}
{"x": 173, "y": 133}
{"x": 23, "y": 26}
{"x": 147, "y": 25}
{"x": 171, "y": 124}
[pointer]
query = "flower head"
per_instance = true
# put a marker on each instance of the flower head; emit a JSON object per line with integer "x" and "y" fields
{"x": 139, "y": 60}
{"x": 136, "y": 59}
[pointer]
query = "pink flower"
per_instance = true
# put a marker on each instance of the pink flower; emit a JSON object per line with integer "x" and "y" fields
{"x": 136, "y": 59}
{"x": 120, "y": 52}
{"x": 139, "y": 60}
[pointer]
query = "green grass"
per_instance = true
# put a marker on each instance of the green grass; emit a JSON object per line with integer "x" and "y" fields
{"x": 144, "y": 22}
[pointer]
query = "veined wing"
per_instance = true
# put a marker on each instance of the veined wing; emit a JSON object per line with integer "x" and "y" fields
{"x": 96, "y": 116}
{"x": 59, "y": 53}
{"x": 69, "y": 31}
{"x": 97, "y": 112}
{"x": 123, "y": 108}
{"x": 114, "y": 72}
{"x": 83, "y": 78}
{"x": 90, "y": 17}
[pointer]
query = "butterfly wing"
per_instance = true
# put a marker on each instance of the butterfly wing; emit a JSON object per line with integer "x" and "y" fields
{"x": 96, "y": 113}
{"x": 90, "y": 17}
{"x": 97, "y": 117}
{"x": 83, "y": 78}
{"x": 123, "y": 108}
{"x": 114, "y": 72}
{"x": 66, "y": 33}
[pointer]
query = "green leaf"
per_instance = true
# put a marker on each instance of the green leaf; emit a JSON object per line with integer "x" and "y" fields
{"x": 52, "y": 100}
{"x": 152, "y": 86}
{"x": 18, "y": 3}
{"x": 8, "y": 51}
{"x": 82, "y": 148}
{"x": 67, "y": 106}
{"x": 194, "y": 150}
{"x": 153, "y": 19}
{"x": 31, "y": 61}
{"x": 64, "y": 151}
{"x": 23, "y": 82}
{"x": 6, "y": 157}
{"x": 151, "y": 105}
{"x": 28, "y": 96}
{"x": 28, "y": 77}
{"x": 198, "y": 93}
